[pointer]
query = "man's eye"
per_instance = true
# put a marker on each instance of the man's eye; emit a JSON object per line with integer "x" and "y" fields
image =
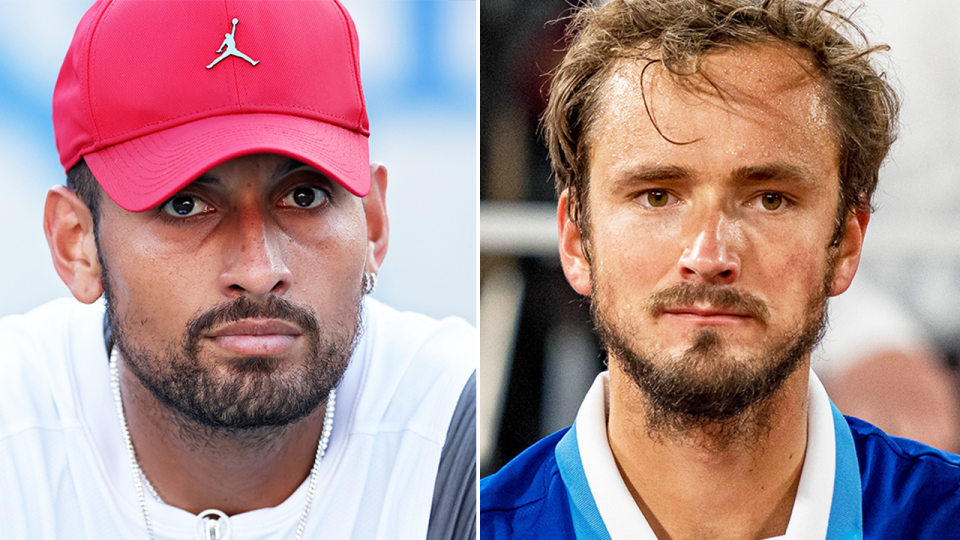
{"x": 656, "y": 198}
{"x": 305, "y": 197}
{"x": 771, "y": 201}
{"x": 185, "y": 206}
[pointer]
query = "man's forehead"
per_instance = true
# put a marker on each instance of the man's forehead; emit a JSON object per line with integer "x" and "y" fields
{"x": 753, "y": 106}
{"x": 766, "y": 67}
{"x": 740, "y": 75}
{"x": 772, "y": 82}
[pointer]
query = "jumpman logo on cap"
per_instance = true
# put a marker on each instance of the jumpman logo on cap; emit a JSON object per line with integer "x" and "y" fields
{"x": 230, "y": 44}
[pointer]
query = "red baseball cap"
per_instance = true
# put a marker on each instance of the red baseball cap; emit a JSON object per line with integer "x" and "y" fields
{"x": 148, "y": 100}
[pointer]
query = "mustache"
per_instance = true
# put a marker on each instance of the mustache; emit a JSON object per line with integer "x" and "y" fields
{"x": 719, "y": 296}
{"x": 243, "y": 307}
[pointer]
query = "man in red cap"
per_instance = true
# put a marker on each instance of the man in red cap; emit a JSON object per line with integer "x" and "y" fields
{"x": 235, "y": 382}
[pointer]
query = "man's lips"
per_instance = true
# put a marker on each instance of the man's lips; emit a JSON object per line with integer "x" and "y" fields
{"x": 251, "y": 337}
{"x": 708, "y": 314}
{"x": 257, "y": 327}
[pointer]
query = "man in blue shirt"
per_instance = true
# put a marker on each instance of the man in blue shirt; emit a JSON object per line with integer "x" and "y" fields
{"x": 715, "y": 161}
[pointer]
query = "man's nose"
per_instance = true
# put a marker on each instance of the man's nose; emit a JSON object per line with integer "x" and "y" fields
{"x": 712, "y": 256}
{"x": 254, "y": 261}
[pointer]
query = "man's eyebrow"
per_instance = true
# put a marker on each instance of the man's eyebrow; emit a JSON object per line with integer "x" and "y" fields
{"x": 645, "y": 174}
{"x": 652, "y": 174}
{"x": 207, "y": 179}
{"x": 772, "y": 171}
{"x": 286, "y": 167}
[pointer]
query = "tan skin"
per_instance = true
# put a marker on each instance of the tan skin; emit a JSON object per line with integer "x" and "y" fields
{"x": 247, "y": 237}
{"x": 749, "y": 204}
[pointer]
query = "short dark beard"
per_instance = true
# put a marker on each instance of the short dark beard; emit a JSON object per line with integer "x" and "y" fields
{"x": 251, "y": 395}
{"x": 728, "y": 405}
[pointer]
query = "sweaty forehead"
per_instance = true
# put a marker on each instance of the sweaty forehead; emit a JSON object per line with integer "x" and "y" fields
{"x": 757, "y": 70}
{"x": 766, "y": 81}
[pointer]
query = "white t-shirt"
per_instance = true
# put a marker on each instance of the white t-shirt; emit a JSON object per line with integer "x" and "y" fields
{"x": 65, "y": 473}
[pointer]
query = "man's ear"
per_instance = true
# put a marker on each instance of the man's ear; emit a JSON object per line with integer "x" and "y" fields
{"x": 378, "y": 226}
{"x": 848, "y": 252}
{"x": 69, "y": 228}
{"x": 575, "y": 264}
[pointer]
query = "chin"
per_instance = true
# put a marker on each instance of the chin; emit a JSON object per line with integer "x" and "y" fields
{"x": 255, "y": 365}
{"x": 710, "y": 380}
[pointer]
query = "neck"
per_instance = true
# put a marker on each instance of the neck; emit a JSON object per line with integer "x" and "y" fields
{"x": 194, "y": 467}
{"x": 703, "y": 484}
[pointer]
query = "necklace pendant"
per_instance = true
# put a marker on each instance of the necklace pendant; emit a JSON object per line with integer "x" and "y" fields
{"x": 213, "y": 529}
{"x": 212, "y": 525}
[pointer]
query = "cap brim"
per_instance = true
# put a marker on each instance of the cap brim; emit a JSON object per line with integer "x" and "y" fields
{"x": 141, "y": 173}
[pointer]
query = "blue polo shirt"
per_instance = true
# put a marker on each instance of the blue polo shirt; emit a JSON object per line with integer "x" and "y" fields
{"x": 880, "y": 487}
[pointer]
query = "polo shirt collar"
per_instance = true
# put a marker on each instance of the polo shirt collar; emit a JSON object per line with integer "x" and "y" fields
{"x": 602, "y": 507}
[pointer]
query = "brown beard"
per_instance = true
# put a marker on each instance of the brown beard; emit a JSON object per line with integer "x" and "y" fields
{"x": 701, "y": 393}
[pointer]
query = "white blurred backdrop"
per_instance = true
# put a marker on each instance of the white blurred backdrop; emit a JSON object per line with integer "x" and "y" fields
{"x": 913, "y": 241}
{"x": 418, "y": 64}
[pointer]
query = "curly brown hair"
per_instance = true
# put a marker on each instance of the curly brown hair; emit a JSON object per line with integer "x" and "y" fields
{"x": 678, "y": 33}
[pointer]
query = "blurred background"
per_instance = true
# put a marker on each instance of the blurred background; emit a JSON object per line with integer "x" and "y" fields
{"x": 893, "y": 340}
{"x": 419, "y": 69}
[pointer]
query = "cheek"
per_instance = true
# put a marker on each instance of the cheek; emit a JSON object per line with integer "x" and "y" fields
{"x": 153, "y": 296}
{"x": 639, "y": 252}
{"x": 153, "y": 271}
{"x": 632, "y": 259}
{"x": 788, "y": 270}
{"x": 327, "y": 262}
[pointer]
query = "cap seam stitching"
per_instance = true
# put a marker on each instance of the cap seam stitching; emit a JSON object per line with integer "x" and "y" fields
{"x": 91, "y": 66}
{"x": 320, "y": 113}
{"x": 354, "y": 55}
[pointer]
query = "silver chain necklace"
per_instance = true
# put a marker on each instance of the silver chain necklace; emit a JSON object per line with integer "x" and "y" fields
{"x": 212, "y": 531}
